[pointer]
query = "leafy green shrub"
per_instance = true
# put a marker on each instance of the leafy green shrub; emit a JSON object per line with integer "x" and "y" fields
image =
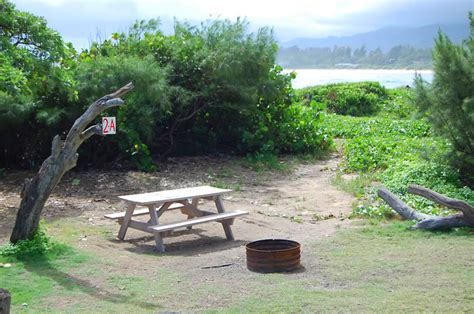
{"x": 399, "y": 104}
{"x": 349, "y": 127}
{"x": 373, "y": 210}
{"x": 396, "y": 153}
{"x": 355, "y": 99}
{"x": 369, "y": 153}
{"x": 300, "y": 130}
{"x": 204, "y": 89}
{"x": 433, "y": 175}
{"x": 410, "y": 167}
{"x": 289, "y": 129}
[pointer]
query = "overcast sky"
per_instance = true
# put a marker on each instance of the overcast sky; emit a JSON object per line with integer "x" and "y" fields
{"x": 79, "y": 21}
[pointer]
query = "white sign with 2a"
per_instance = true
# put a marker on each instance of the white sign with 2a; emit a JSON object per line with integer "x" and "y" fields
{"x": 108, "y": 125}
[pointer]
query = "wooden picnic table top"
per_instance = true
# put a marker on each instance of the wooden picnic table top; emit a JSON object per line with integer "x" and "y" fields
{"x": 173, "y": 195}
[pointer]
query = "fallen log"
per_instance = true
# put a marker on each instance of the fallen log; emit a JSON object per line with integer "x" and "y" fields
{"x": 431, "y": 222}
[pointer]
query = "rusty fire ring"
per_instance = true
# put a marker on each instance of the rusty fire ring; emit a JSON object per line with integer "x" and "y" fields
{"x": 273, "y": 255}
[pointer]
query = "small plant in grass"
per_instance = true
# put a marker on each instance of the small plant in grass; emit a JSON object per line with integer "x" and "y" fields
{"x": 356, "y": 185}
{"x": 319, "y": 217}
{"x": 40, "y": 244}
{"x": 297, "y": 219}
{"x": 378, "y": 211}
{"x": 264, "y": 161}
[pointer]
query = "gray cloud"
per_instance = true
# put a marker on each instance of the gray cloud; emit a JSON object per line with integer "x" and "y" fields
{"x": 413, "y": 13}
{"x": 82, "y": 21}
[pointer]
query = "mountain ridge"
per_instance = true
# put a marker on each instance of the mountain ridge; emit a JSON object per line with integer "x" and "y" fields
{"x": 386, "y": 37}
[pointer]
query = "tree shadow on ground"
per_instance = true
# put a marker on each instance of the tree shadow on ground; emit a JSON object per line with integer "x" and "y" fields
{"x": 43, "y": 266}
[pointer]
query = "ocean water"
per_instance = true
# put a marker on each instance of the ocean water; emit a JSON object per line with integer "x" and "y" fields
{"x": 388, "y": 78}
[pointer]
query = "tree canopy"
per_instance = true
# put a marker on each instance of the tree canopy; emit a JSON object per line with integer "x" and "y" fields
{"x": 449, "y": 101}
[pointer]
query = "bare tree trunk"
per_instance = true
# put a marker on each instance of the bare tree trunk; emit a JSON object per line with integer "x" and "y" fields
{"x": 430, "y": 222}
{"x": 63, "y": 157}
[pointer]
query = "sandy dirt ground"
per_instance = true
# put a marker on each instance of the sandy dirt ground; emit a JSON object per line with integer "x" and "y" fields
{"x": 279, "y": 203}
{"x": 300, "y": 204}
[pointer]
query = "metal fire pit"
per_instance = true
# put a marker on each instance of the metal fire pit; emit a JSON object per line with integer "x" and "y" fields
{"x": 273, "y": 255}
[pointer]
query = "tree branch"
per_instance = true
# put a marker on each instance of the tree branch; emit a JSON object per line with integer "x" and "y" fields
{"x": 464, "y": 207}
{"x": 121, "y": 91}
{"x": 114, "y": 102}
{"x": 442, "y": 223}
{"x": 73, "y": 139}
{"x": 400, "y": 207}
{"x": 56, "y": 147}
{"x": 93, "y": 130}
{"x": 427, "y": 221}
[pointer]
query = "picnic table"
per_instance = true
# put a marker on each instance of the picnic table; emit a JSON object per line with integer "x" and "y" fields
{"x": 155, "y": 204}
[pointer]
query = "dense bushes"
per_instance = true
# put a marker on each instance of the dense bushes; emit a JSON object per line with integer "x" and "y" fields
{"x": 220, "y": 91}
{"x": 355, "y": 99}
{"x": 204, "y": 89}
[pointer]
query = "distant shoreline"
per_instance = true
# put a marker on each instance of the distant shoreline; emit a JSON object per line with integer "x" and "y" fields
{"x": 390, "y": 78}
{"x": 359, "y": 69}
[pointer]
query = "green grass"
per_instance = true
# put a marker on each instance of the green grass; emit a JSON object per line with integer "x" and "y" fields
{"x": 66, "y": 278}
{"x": 32, "y": 277}
{"x": 350, "y": 127}
{"x": 356, "y": 185}
{"x": 369, "y": 268}
{"x": 374, "y": 269}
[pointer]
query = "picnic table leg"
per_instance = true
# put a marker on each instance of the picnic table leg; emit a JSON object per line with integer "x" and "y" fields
{"x": 126, "y": 221}
{"x": 154, "y": 221}
{"x": 194, "y": 203}
{"x": 227, "y": 228}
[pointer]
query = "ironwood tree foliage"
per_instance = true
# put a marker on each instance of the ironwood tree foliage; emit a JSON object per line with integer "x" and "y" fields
{"x": 36, "y": 88}
{"x": 449, "y": 101}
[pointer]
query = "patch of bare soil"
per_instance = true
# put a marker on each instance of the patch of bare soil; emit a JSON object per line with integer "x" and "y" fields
{"x": 300, "y": 205}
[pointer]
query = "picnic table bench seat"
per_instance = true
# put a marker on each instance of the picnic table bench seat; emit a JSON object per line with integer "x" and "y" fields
{"x": 226, "y": 217}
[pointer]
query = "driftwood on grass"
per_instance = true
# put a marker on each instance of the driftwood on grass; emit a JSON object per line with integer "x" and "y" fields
{"x": 63, "y": 157}
{"x": 430, "y": 222}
